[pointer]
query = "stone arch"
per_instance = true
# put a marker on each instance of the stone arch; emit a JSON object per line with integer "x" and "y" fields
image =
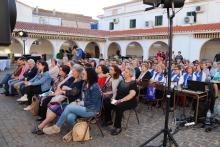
{"x": 113, "y": 49}
{"x": 42, "y": 46}
{"x": 15, "y": 48}
{"x": 92, "y": 49}
{"x": 134, "y": 50}
{"x": 209, "y": 49}
{"x": 68, "y": 44}
{"x": 158, "y": 46}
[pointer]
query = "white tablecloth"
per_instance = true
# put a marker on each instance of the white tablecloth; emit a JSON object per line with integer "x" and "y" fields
{"x": 5, "y": 63}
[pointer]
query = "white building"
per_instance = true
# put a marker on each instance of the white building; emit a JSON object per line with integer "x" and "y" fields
{"x": 49, "y": 31}
{"x": 139, "y": 33}
{"x": 125, "y": 27}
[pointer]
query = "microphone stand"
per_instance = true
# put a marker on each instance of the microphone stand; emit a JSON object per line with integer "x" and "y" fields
{"x": 166, "y": 131}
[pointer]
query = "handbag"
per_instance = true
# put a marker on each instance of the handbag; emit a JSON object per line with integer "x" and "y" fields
{"x": 57, "y": 99}
{"x": 34, "y": 106}
{"x": 150, "y": 94}
{"x": 81, "y": 131}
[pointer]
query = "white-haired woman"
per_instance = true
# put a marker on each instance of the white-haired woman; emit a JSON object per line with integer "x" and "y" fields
{"x": 125, "y": 100}
{"x": 66, "y": 95}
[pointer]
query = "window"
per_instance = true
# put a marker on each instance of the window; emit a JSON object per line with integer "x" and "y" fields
{"x": 115, "y": 12}
{"x": 192, "y": 13}
{"x": 133, "y": 23}
{"x": 42, "y": 20}
{"x": 111, "y": 26}
{"x": 159, "y": 20}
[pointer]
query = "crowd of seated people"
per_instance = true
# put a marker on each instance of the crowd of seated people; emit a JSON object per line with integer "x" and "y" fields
{"x": 72, "y": 90}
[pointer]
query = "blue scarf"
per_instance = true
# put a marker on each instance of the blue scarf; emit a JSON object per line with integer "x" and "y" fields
{"x": 176, "y": 79}
{"x": 160, "y": 77}
{"x": 198, "y": 76}
{"x": 187, "y": 77}
{"x": 151, "y": 72}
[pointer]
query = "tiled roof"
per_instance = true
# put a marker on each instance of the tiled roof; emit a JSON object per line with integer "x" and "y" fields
{"x": 193, "y": 28}
{"x": 58, "y": 29}
{"x": 99, "y": 33}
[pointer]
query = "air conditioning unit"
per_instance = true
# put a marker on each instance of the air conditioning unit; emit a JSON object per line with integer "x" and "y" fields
{"x": 200, "y": 9}
{"x": 148, "y": 23}
{"x": 116, "y": 21}
{"x": 189, "y": 20}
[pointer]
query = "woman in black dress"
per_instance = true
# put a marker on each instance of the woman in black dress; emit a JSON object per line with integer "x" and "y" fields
{"x": 125, "y": 100}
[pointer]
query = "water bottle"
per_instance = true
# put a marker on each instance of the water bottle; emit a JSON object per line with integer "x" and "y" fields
{"x": 208, "y": 118}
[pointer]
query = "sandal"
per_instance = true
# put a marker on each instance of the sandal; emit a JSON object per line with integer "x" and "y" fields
{"x": 37, "y": 131}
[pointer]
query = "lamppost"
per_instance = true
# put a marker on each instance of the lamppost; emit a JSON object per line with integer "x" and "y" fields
{"x": 23, "y": 36}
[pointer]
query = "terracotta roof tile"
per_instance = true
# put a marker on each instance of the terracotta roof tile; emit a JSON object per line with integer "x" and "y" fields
{"x": 193, "y": 28}
{"x": 58, "y": 29}
{"x": 100, "y": 33}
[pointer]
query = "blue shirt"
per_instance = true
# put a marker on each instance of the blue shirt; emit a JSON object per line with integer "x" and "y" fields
{"x": 79, "y": 54}
{"x": 42, "y": 79}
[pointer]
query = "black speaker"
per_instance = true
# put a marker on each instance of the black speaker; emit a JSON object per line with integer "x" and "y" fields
{"x": 166, "y": 3}
{"x": 177, "y": 3}
{"x": 8, "y": 16}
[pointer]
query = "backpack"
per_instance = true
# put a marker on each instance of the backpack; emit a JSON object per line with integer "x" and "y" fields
{"x": 80, "y": 129}
{"x": 83, "y": 54}
{"x": 150, "y": 93}
{"x": 34, "y": 106}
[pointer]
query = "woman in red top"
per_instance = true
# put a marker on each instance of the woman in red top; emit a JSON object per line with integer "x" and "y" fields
{"x": 102, "y": 71}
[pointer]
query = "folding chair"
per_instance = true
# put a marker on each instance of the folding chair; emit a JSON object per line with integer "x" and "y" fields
{"x": 94, "y": 120}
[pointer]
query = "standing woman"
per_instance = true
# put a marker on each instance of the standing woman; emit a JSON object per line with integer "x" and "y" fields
{"x": 88, "y": 107}
{"x": 39, "y": 84}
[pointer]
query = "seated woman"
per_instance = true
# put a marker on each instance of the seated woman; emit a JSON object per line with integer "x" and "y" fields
{"x": 39, "y": 84}
{"x": 67, "y": 95}
{"x": 60, "y": 81}
{"x": 199, "y": 75}
{"x": 110, "y": 87}
{"x": 54, "y": 69}
{"x": 102, "y": 71}
{"x": 90, "y": 105}
{"x": 159, "y": 76}
{"x": 145, "y": 74}
{"x": 216, "y": 81}
{"x": 125, "y": 100}
{"x": 187, "y": 76}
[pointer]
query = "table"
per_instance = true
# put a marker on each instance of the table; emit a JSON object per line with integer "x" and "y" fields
{"x": 198, "y": 95}
{"x": 5, "y": 63}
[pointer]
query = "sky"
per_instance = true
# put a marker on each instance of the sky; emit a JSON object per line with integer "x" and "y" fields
{"x": 86, "y": 7}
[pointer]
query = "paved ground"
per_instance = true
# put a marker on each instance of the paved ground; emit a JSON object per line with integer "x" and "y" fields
{"x": 16, "y": 125}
